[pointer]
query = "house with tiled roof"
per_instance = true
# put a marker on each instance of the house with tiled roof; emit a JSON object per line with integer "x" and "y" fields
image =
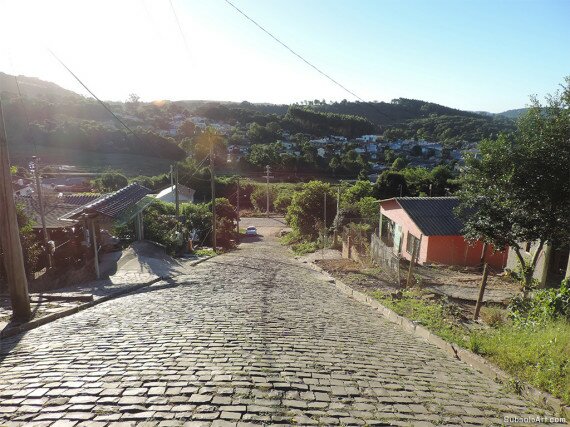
{"x": 429, "y": 228}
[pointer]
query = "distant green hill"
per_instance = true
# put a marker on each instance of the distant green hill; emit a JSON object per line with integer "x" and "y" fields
{"x": 33, "y": 87}
{"x": 513, "y": 114}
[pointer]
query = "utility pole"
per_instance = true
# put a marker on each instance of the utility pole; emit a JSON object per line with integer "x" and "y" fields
{"x": 267, "y": 177}
{"x": 335, "y": 240}
{"x": 10, "y": 236}
{"x": 213, "y": 190}
{"x": 176, "y": 199}
{"x": 237, "y": 206}
{"x": 36, "y": 169}
{"x": 171, "y": 177}
{"x": 324, "y": 223}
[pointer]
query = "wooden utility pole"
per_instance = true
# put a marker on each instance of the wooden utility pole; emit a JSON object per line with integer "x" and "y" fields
{"x": 267, "y": 177}
{"x": 176, "y": 197}
{"x": 10, "y": 236}
{"x": 213, "y": 190}
{"x": 36, "y": 166}
{"x": 237, "y": 206}
{"x": 324, "y": 223}
{"x": 335, "y": 239}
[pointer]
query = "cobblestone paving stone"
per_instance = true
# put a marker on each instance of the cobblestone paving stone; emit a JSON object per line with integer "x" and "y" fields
{"x": 251, "y": 337}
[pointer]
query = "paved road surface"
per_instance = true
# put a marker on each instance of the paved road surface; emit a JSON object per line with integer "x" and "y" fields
{"x": 251, "y": 337}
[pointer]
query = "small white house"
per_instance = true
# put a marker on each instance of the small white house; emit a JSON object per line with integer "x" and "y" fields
{"x": 168, "y": 195}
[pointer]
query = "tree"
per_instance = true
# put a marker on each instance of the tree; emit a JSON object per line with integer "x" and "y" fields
{"x": 226, "y": 216}
{"x": 210, "y": 138}
{"x": 305, "y": 215}
{"x": 369, "y": 211}
{"x": 518, "y": 189}
{"x": 261, "y": 155}
{"x": 111, "y": 181}
{"x": 440, "y": 176}
{"x": 357, "y": 192}
{"x": 389, "y": 156}
{"x": 392, "y": 184}
{"x": 399, "y": 164}
{"x": 187, "y": 129}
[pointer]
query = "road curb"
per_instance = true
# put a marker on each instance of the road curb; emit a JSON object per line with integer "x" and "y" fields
{"x": 474, "y": 360}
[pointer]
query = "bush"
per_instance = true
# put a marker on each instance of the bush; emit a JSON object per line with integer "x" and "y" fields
{"x": 160, "y": 225}
{"x": 544, "y": 305}
{"x": 283, "y": 201}
{"x": 259, "y": 198}
{"x": 304, "y": 248}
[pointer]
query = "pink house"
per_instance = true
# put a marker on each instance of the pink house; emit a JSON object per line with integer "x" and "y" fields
{"x": 430, "y": 225}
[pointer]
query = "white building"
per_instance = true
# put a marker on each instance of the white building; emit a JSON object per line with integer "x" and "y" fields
{"x": 185, "y": 194}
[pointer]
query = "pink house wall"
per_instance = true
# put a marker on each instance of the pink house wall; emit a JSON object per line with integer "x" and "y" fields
{"x": 392, "y": 210}
{"x": 455, "y": 250}
{"x": 449, "y": 250}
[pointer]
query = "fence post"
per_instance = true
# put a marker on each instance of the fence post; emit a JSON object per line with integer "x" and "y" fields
{"x": 481, "y": 292}
{"x": 411, "y": 269}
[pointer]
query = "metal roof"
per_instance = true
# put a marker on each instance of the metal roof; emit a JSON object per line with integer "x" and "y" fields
{"x": 53, "y": 212}
{"x": 112, "y": 205}
{"x": 434, "y": 216}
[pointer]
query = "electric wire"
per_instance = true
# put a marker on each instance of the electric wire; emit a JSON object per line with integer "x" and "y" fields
{"x": 180, "y": 29}
{"x": 310, "y": 64}
{"x": 96, "y": 97}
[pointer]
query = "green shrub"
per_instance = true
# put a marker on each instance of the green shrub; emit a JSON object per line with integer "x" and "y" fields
{"x": 544, "y": 305}
{"x": 304, "y": 248}
{"x": 435, "y": 316}
{"x": 282, "y": 201}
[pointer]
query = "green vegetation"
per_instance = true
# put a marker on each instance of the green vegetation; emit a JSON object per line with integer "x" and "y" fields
{"x": 530, "y": 340}
{"x": 538, "y": 355}
{"x": 518, "y": 189}
{"x": 204, "y": 252}
{"x": 437, "y": 316}
{"x": 110, "y": 181}
{"x": 305, "y": 215}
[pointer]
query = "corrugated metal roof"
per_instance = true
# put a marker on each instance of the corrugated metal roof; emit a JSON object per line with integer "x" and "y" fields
{"x": 434, "y": 216}
{"x": 79, "y": 199}
{"x": 112, "y": 205}
{"x": 52, "y": 212}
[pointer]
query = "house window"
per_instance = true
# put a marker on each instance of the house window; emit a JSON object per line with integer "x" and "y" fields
{"x": 527, "y": 246}
{"x": 411, "y": 243}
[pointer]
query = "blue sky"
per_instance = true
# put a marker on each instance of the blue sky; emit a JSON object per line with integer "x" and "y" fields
{"x": 475, "y": 55}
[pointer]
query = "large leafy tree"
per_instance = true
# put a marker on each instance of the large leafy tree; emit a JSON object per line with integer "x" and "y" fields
{"x": 518, "y": 189}
{"x": 305, "y": 215}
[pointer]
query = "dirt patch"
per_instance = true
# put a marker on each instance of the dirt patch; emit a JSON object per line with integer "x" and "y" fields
{"x": 364, "y": 279}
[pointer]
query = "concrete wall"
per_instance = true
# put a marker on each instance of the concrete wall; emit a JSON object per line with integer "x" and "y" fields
{"x": 455, "y": 250}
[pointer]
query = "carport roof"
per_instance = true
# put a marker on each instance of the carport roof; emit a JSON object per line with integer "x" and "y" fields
{"x": 113, "y": 205}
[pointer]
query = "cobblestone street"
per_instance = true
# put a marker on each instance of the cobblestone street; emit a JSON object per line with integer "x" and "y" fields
{"x": 249, "y": 337}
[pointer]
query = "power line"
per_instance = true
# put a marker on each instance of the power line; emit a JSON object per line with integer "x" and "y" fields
{"x": 95, "y": 96}
{"x": 303, "y": 59}
{"x": 180, "y": 29}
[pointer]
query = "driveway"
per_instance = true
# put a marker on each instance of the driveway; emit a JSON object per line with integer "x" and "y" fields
{"x": 249, "y": 337}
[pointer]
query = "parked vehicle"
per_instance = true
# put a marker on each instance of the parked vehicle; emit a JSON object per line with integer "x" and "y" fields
{"x": 251, "y": 231}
